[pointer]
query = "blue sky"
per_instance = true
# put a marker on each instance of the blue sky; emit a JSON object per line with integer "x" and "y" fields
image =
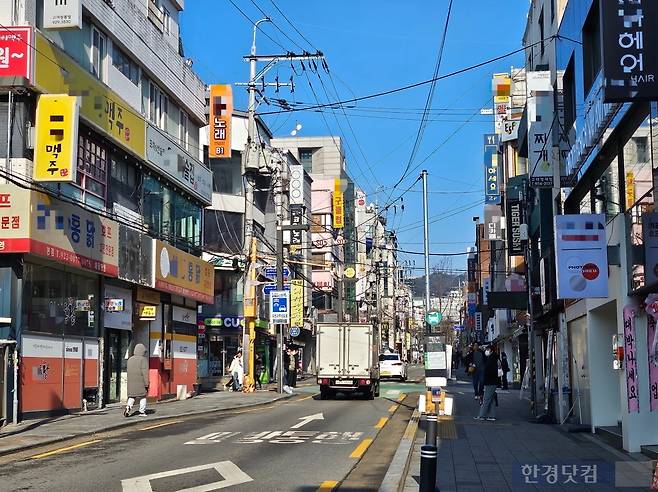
{"x": 372, "y": 46}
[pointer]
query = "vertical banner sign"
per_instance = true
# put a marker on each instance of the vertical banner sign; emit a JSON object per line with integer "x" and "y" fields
{"x": 56, "y": 146}
{"x": 16, "y": 54}
{"x": 541, "y": 119}
{"x": 514, "y": 221}
{"x": 338, "y": 207}
{"x": 630, "y": 360}
{"x": 581, "y": 256}
{"x": 62, "y": 14}
{"x": 630, "y": 189}
{"x": 491, "y": 169}
{"x": 652, "y": 346}
{"x": 297, "y": 303}
{"x": 492, "y": 219}
{"x": 296, "y": 219}
{"x": 221, "y": 109}
{"x": 296, "y": 193}
{"x": 650, "y": 240}
{"x": 630, "y": 49}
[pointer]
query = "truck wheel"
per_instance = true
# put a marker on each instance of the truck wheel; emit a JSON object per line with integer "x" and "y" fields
{"x": 324, "y": 394}
{"x": 370, "y": 394}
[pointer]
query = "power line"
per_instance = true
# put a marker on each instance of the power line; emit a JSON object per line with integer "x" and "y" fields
{"x": 257, "y": 26}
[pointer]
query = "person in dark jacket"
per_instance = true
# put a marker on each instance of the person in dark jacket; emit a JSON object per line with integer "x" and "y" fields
{"x": 258, "y": 372}
{"x": 504, "y": 365}
{"x": 477, "y": 362}
{"x": 487, "y": 409}
{"x": 138, "y": 380}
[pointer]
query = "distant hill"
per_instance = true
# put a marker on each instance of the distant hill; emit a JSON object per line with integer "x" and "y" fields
{"x": 440, "y": 284}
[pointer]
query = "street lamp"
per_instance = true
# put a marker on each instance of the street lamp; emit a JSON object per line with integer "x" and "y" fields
{"x": 298, "y": 127}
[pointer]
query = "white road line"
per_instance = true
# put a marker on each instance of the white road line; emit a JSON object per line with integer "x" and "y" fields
{"x": 228, "y": 470}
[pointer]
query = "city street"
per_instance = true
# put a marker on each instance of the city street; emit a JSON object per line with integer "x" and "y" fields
{"x": 297, "y": 444}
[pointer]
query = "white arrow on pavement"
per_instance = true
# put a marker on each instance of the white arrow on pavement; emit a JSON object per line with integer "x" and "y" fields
{"x": 306, "y": 420}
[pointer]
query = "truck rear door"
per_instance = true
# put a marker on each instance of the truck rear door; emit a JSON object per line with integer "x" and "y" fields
{"x": 358, "y": 350}
{"x": 329, "y": 349}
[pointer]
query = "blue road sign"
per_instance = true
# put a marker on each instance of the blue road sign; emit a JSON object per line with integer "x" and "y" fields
{"x": 294, "y": 331}
{"x": 268, "y": 288}
{"x": 270, "y": 272}
{"x": 279, "y": 306}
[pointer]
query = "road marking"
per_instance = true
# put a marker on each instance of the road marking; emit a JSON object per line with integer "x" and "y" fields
{"x": 381, "y": 423}
{"x": 63, "y": 450}
{"x": 308, "y": 397}
{"x": 392, "y": 408}
{"x": 402, "y": 397}
{"x": 231, "y": 474}
{"x": 164, "y": 424}
{"x": 361, "y": 448}
{"x": 327, "y": 486}
{"x": 307, "y": 419}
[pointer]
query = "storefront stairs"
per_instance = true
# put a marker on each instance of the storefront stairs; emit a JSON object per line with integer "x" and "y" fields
{"x": 611, "y": 435}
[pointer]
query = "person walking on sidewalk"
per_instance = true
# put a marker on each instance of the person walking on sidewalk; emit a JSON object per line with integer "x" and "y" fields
{"x": 138, "y": 380}
{"x": 292, "y": 368}
{"x": 258, "y": 372}
{"x": 504, "y": 365}
{"x": 476, "y": 369}
{"x": 487, "y": 409}
{"x": 236, "y": 371}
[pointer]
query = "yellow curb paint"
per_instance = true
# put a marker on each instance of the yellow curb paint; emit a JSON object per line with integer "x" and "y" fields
{"x": 308, "y": 397}
{"x": 392, "y": 408}
{"x": 327, "y": 486}
{"x": 63, "y": 450}
{"x": 361, "y": 448}
{"x": 402, "y": 397}
{"x": 381, "y": 423}
{"x": 164, "y": 424}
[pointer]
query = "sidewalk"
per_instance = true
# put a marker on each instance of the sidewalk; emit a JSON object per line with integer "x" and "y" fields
{"x": 514, "y": 454}
{"x": 33, "y": 433}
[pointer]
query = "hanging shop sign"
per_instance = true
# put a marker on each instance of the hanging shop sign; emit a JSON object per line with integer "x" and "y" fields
{"x": 225, "y": 321}
{"x": 32, "y": 222}
{"x": 16, "y": 55}
{"x": 540, "y": 154}
{"x": 509, "y": 129}
{"x": 62, "y": 14}
{"x": 652, "y": 349}
{"x": 183, "y": 315}
{"x": 57, "y": 73}
{"x": 164, "y": 154}
{"x": 181, "y": 273}
{"x": 338, "y": 210}
{"x": 650, "y": 240}
{"x": 296, "y": 184}
{"x": 492, "y": 219}
{"x": 297, "y": 303}
{"x": 221, "y": 110}
{"x": 491, "y": 169}
{"x": 630, "y": 50}
{"x": 146, "y": 312}
{"x": 118, "y": 308}
{"x": 581, "y": 256}
{"x": 56, "y": 145}
{"x": 630, "y": 360}
{"x": 514, "y": 218}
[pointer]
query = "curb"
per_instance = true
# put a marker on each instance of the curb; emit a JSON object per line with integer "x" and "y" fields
{"x": 397, "y": 470}
{"x": 130, "y": 423}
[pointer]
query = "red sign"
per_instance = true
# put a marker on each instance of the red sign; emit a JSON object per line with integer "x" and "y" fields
{"x": 590, "y": 271}
{"x": 16, "y": 52}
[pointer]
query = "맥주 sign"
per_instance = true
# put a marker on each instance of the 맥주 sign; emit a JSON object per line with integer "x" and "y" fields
{"x": 15, "y": 55}
{"x": 56, "y": 145}
{"x": 581, "y": 256}
{"x": 630, "y": 49}
{"x": 56, "y": 73}
{"x": 221, "y": 109}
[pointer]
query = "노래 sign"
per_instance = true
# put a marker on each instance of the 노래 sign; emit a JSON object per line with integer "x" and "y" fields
{"x": 221, "y": 110}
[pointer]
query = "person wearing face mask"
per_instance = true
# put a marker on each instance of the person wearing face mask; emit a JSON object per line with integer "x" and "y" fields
{"x": 487, "y": 409}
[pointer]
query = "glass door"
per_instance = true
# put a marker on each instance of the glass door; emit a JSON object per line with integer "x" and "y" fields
{"x": 118, "y": 342}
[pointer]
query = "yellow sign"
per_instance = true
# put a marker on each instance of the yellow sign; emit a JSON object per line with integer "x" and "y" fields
{"x": 56, "y": 73}
{"x": 297, "y": 303}
{"x": 56, "y": 146}
{"x": 350, "y": 272}
{"x": 221, "y": 109}
{"x": 338, "y": 206}
{"x": 630, "y": 189}
{"x": 147, "y": 311}
{"x": 181, "y": 273}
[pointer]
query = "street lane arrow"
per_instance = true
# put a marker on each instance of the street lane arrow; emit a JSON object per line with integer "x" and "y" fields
{"x": 306, "y": 420}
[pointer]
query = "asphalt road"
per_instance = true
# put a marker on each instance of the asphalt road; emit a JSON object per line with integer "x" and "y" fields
{"x": 298, "y": 445}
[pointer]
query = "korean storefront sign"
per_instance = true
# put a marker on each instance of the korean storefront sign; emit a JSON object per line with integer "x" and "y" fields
{"x": 338, "y": 210}
{"x": 297, "y": 184}
{"x": 221, "y": 110}
{"x": 181, "y": 273}
{"x": 297, "y": 303}
{"x": 492, "y": 220}
{"x": 56, "y": 73}
{"x": 190, "y": 173}
{"x": 581, "y": 256}
{"x": 650, "y": 240}
{"x": 514, "y": 220}
{"x": 16, "y": 55}
{"x": 491, "y": 169}
{"x": 32, "y": 222}
{"x": 225, "y": 321}
{"x": 120, "y": 319}
{"x": 56, "y": 146}
{"x": 630, "y": 49}
{"x": 652, "y": 349}
{"x": 62, "y": 14}
{"x": 630, "y": 360}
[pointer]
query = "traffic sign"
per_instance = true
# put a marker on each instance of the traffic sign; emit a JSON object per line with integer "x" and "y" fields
{"x": 270, "y": 272}
{"x": 279, "y": 306}
{"x": 268, "y": 288}
{"x": 294, "y": 331}
{"x": 433, "y": 318}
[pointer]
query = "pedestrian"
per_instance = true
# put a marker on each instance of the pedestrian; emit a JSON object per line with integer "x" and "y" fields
{"x": 138, "y": 380}
{"x": 504, "y": 365}
{"x": 286, "y": 372}
{"x": 292, "y": 369}
{"x": 258, "y": 372}
{"x": 236, "y": 370}
{"x": 487, "y": 409}
{"x": 477, "y": 372}
{"x": 457, "y": 358}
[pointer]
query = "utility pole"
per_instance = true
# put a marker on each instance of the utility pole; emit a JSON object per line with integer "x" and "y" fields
{"x": 252, "y": 166}
{"x": 531, "y": 311}
{"x": 426, "y": 233}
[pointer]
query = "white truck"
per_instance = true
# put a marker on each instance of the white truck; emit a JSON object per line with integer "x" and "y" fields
{"x": 347, "y": 359}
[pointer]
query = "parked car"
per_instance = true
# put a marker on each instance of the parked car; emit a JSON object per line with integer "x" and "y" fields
{"x": 392, "y": 366}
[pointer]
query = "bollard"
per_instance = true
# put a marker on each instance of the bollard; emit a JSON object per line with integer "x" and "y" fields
{"x": 428, "y": 456}
{"x": 432, "y": 422}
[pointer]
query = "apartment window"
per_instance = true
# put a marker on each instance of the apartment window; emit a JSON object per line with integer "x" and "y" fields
{"x": 306, "y": 159}
{"x": 91, "y": 176}
{"x": 98, "y": 51}
{"x": 156, "y": 14}
{"x": 166, "y": 20}
{"x": 158, "y": 106}
{"x": 591, "y": 47}
{"x": 541, "y": 30}
{"x": 124, "y": 64}
{"x": 183, "y": 131}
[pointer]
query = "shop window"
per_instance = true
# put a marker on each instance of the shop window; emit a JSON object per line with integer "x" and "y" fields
{"x": 223, "y": 231}
{"x": 157, "y": 207}
{"x": 124, "y": 187}
{"x": 124, "y": 64}
{"x": 591, "y": 47}
{"x": 98, "y": 53}
{"x": 227, "y": 174}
